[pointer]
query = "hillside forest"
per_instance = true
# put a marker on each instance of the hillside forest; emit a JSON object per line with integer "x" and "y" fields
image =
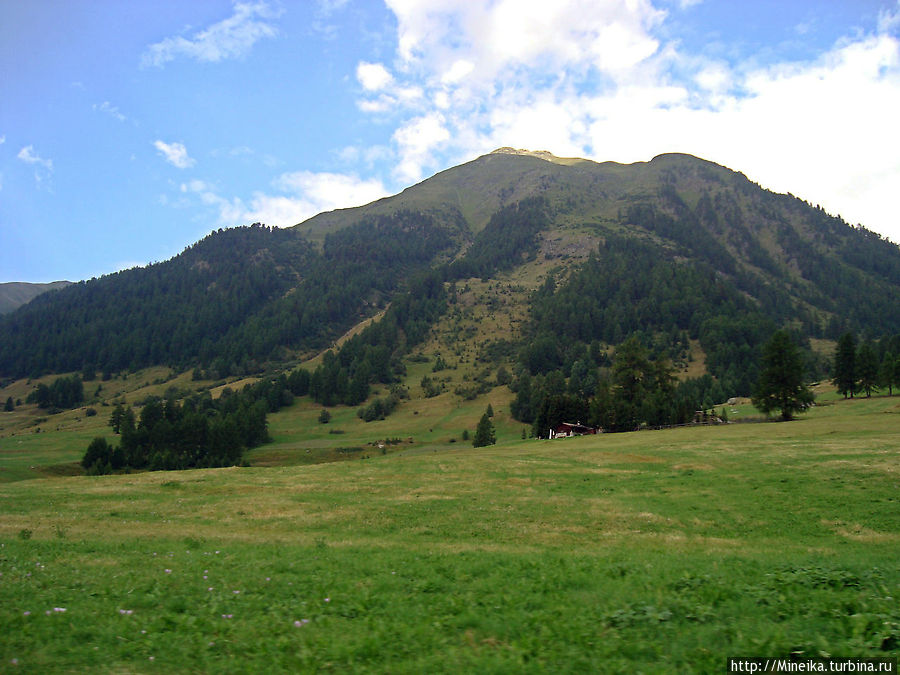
{"x": 666, "y": 260}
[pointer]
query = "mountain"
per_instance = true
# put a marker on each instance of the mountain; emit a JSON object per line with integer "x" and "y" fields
{"x": 677, "y": 251}
{"x": 14, "y": 294}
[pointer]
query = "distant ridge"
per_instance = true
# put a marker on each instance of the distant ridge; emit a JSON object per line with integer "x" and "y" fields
{"x": 14, "y": 294}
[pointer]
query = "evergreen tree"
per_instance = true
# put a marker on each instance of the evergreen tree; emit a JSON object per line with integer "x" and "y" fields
{"x": 484, "y": 432}
{"x": 780, "y": 385}
{"x": 845, "y": 376}
{"x": 115, "y": 419}
{"x": 896, "y": 380}
{"x": 10, "y": 406}
{"x": 97, "y": 456}
{"x": 887, "y": 374}
{"x": 867, "y": 368}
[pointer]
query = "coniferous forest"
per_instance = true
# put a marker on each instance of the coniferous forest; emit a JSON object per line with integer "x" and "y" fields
{"x": 668, "y": 257}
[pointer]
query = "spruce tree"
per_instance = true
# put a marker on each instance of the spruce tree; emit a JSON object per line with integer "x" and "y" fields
{"x": 887, "y": 373}
{"x": 780, "y": 385}
{"x": 867, "y": 368}
{"x": 484, "y": 433}
{"x": 845, "y": 376}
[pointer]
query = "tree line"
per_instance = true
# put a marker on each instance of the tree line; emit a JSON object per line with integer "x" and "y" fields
{"x": 230, "y": 303}
{"x": 629, "y": 286}
{"x": 200, "y": 432}
{"x": 866, "y": 367}
{"x": 63, "y": 393}
{"x": 636, "y": 389}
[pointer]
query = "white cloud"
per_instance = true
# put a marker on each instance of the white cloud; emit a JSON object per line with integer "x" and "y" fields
{"x": 29, "y": 156}
{"x": 373, "y": 76}
{"x": 505, "y": 34}
{"x": 109, "y": 109}
{"x": 610, "y": 81}
{"x": 301, "y": 195}
{"x": 197, "y": 186}
{"x": 457, "y": 71}
{"x": 417, "y": 139}
{"x": 230, "y": 38}
{"x": 175, "y": 154}
{"x": 2, "y": 139}
{"x": 480, "y": 73}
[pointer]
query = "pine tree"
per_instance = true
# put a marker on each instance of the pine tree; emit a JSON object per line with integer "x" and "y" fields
{"x": 887, "y": 374}
{"x": 484, "y": 433}
{"x": 780, "y": 385}
{"x": 867, "y": 368}
{"x": 10, "y": 406}
{"x": 115, "y": 419}
{"x": 845, "y": 376}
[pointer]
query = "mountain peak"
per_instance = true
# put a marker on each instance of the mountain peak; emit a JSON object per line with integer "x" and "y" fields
{"x": 545, "y": 155}
{"x": 540, "y": 154}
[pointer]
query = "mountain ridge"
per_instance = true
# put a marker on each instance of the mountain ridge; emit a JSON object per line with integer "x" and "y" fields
{"x": 795, "y": 265}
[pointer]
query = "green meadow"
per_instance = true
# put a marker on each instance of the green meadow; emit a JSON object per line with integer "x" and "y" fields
{"x": 657, "y": 552}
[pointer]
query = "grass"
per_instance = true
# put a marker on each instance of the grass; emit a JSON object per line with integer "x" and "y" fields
{"x": 663, "y": 551}
{"x": 36, "y": 443}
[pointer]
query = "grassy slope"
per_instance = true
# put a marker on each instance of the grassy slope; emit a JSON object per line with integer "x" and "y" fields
{"x": 657, "y": 551}
{"x": 15, "y": 294}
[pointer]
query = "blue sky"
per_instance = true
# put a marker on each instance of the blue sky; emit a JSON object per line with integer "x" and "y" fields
{"x": 129, "y": 130}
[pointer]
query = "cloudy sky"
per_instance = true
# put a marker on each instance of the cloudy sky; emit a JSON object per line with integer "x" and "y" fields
{"x": 129, "y": 130}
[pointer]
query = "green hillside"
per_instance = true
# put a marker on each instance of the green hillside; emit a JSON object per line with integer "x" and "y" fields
{"x": 622, "y": 296}
{"x": 250, "y": 296}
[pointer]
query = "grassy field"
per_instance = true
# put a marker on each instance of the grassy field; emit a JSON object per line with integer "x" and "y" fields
{"x": 662, "y": 551}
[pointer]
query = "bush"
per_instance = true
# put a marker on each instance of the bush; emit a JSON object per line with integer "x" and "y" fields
{"x": 378, "y": 409}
